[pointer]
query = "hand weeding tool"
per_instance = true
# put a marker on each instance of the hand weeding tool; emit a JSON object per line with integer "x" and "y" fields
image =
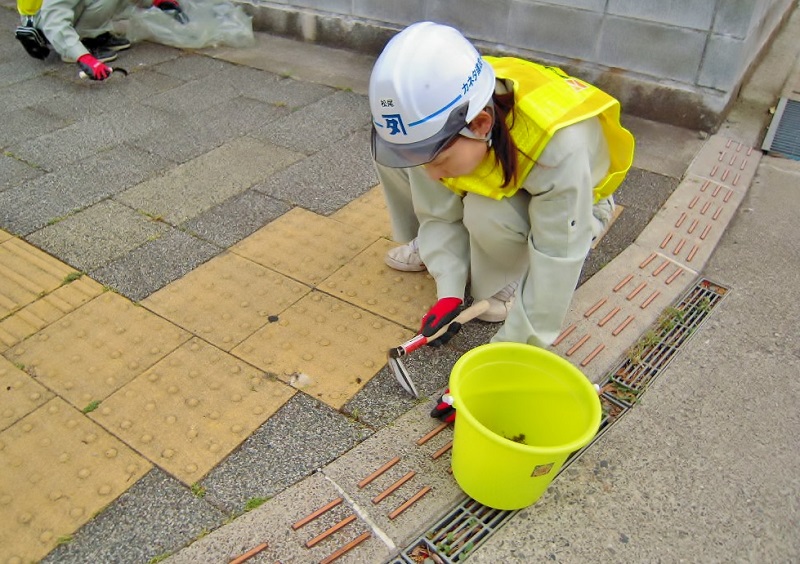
{"x": 394, "y": 355}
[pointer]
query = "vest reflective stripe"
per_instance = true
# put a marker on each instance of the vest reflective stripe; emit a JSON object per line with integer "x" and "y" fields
{"x": 546, "y": 99}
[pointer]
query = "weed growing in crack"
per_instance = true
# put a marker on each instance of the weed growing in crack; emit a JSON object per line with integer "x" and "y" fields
{"x": 254, "y": 502}
{"x": 71, "y": 277}
{"x": 91, "y": 407}
{"x": 198, "y": 490}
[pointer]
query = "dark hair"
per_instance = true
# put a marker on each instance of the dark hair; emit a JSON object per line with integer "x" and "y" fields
{"x": 506, "y": 152}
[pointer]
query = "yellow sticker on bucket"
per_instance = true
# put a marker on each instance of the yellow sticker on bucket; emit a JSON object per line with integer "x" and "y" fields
{"x": 541, "y": 470}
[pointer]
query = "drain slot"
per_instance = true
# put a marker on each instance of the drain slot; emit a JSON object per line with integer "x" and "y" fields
{"x": 783, "y": 135}
{"x": 456, "y": 535}
{"x": 652, "y": 353}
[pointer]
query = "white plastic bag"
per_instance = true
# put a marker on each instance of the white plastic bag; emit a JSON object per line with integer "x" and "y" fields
{"x": 212, "y": 23}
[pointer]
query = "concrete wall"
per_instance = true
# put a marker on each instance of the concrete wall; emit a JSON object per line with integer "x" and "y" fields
{"x": 675, "y": 61}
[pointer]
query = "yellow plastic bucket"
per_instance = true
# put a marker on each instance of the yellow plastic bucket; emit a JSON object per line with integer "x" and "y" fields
{"x": 520, "y": 412}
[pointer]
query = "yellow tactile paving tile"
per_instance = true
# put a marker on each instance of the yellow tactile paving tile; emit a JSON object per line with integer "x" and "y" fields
{"x": 21, "y": 394}
{"x": 304, "y": 245}
{"x": 367, "y": 282}
{"x": 324, "y": 346}
{"x": 4, "y": 236}
{"x": 47, "y": 309}
{"x": 57, "y": 470}
{"x": 96, "y": 349}
{"x": 192, "y": 409}
{"x": 368, "y": 213}
{"x": 226, "y": 300}
{"x": 26, "y": 273}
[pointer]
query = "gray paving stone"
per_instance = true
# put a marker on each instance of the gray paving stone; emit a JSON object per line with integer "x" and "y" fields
{"x": 27, "y": 123}
{"x": 328, "y": 180}
{"x": 77, "y": 101}
{"x": 286, "y": 92}
{"x": 382, "y": 400}
{"x": 190, "y": 67}
{"x": 18, "y": 70}
{"x": 301, "y": 437}
{"x": 13, "y": 172}
{"x": 8, "y": 19}
{"x": 187, "y": 137}
{"x": 194, "y": 96}
{"x": 158, "y": 515}
{"x": 94, "y": 134}
{"x": 42, "y": 200}
{"x": 31, "y": 92}
{"x": 206, "y": 92}
{"x": 319, "y": 125}
{"x": 155, "y": 264}
{"x": 198, "y": 185}
{"x": 235, "y": 219}
{"x": 97, "y": 235}
{"x": 144, "y": 82}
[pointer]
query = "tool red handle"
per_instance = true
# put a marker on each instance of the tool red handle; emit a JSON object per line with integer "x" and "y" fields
{"x": 420, "y": 340}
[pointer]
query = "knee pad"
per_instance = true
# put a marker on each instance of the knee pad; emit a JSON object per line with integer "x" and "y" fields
{"x": 33, "y": 40}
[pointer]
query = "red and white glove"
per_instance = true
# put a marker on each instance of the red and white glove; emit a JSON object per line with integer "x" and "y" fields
{"x": 173, "y": 8}
{"x": 444, "y": 410}
{"x": 94, "y": 69}
{"x": 166, "y": 4}
{"x": 445, "y": 310}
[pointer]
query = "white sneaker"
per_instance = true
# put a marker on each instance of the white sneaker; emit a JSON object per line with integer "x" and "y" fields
{"x": 602, "y": 214}
{"x": 500, "y": 304}
{"x": 405, "y": 257}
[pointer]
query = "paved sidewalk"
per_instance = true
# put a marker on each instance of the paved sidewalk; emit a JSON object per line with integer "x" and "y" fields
{"x": 194, "y": 318}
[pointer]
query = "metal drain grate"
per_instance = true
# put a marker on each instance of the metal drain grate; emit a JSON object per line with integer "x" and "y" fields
{"x": 455, "y": 536}
{"x": 653, "y": 352}
{"x": 783, "y": 135}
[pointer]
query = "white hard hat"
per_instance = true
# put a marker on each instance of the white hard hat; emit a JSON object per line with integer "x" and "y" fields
{"x": 426, "y": 86}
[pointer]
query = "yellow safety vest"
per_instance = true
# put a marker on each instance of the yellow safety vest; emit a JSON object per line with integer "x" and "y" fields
{"x": 547, "y": 99}
{"x": 28, "y": 7}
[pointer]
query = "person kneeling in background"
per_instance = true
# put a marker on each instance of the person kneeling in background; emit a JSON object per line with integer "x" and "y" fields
{"x": 78, "y": 30}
